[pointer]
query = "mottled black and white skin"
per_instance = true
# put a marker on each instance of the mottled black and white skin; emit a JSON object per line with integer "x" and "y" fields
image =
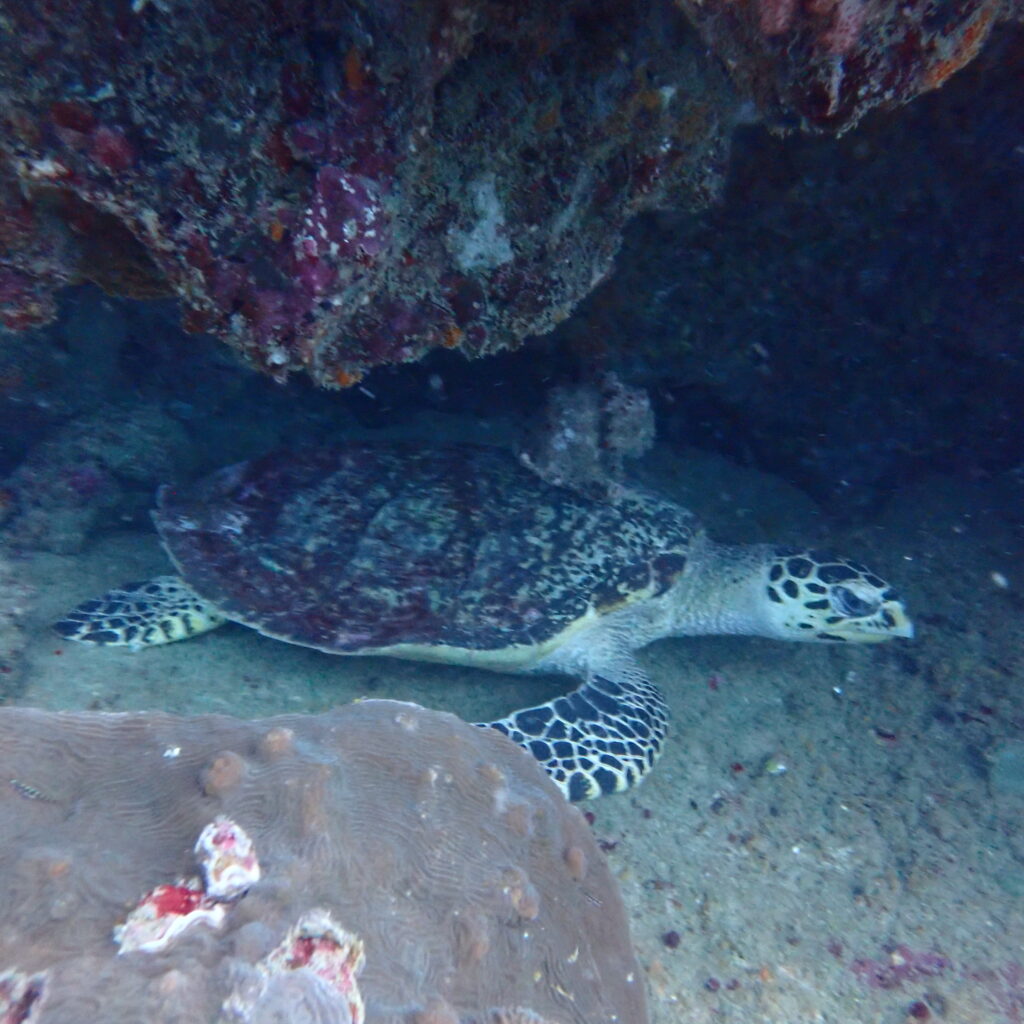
{"x": 461, "y": 555}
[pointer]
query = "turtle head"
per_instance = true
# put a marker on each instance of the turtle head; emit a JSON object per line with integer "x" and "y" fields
{"x": 811, "y": 595}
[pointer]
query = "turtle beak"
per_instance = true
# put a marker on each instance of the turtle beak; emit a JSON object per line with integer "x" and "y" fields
{"x": 895, "y": 616}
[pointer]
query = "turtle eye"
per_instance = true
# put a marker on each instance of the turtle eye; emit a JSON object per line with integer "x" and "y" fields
{"x": 847, "y": 602}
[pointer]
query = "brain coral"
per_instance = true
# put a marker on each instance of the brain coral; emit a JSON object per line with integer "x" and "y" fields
{"x": 429, "y": 863}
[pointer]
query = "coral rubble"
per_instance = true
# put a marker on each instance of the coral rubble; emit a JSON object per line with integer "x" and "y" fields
{"x": 591, "y": 430}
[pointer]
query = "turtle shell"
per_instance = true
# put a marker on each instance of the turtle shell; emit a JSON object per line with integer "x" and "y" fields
{"x": 409, "y": 549}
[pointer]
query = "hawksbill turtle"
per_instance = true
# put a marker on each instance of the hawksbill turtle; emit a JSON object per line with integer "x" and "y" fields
{"x": 460, "y": 554}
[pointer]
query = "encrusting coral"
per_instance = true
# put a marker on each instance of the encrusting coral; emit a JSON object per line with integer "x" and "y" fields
{"x": 380, "y": 862}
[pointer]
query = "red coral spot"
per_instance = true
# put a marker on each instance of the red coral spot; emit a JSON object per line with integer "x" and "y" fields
{"x": 175, "y": 899}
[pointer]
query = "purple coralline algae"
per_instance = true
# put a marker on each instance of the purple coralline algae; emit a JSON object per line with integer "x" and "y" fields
{"x": 333, "y": 186}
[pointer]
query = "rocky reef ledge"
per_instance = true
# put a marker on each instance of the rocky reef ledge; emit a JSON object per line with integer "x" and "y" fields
{"x": 330, "y": 186}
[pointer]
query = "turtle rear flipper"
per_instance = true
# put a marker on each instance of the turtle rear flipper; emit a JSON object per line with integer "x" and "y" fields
{"x": 143, "y": 614}
{"x": 602, "y": 738}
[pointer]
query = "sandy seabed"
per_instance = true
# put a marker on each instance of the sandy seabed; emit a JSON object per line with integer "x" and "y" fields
{"x": 833, "y": 835}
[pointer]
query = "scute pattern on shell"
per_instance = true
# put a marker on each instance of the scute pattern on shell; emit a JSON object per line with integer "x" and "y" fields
{"x": 367, "y": 545}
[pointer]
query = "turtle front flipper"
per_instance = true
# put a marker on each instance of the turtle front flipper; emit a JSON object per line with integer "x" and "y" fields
{"x": 156, "y": 611}
{"x": 602, "y": 738}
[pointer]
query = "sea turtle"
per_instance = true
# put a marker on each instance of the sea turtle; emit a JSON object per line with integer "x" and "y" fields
{"x": 460, "y": 554}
